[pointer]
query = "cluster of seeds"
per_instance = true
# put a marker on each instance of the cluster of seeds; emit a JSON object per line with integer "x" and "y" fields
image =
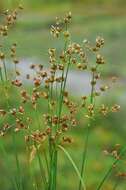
{"x": 114, "y": 152}
{"x": 49, "y": 85}
{"x": 8, "y": 22}
{"x": 10, "y": 19}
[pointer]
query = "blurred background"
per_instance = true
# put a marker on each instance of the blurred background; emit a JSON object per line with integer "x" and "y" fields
{"x": 91, "y": 18}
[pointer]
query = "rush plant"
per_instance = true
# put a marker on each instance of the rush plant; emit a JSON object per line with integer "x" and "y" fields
{"x": 48, "y": 96}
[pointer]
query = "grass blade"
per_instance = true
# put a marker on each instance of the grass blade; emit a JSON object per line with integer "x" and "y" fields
{"x": 74, "y": 166}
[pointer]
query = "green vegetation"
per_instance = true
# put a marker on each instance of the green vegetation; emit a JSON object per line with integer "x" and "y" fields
{"x": 21, "y": 162}
{"x": 32, "y": 31}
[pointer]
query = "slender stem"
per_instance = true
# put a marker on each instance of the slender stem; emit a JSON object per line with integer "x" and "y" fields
{"x": 55, "y": 179}
{"x": 39, "y": 158}
{"x": 7, "y": 97}
{"x": 32, "y": 176}
{"x": 5, "y": 69}
{"x": 85, "y": 148}
{"x": 84, "y": 154}
{"x": 46, "y": 160}
{"x": 50, "y": 144}
{"x": 92, "y": 90}
{"x": 63, "y": 84}
{"x": 54, "y": 170}
{"x": 1, "y": 76}
{"x": 54, "y": 173}
{"x": 63, "y": 88}
{"x": 110, "y": 169}
{"x": 53, "y": 150}
{"x": 65, "y": 47}
{"x": 74, "y": 166}
{"x": 19, "y": 179}
{"x": 41, "y": 168}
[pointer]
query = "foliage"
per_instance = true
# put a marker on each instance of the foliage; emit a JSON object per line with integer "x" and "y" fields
{"x": 42, "y": 137}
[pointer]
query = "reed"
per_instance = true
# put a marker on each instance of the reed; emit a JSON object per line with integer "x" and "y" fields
{"x": 50, "y": 86}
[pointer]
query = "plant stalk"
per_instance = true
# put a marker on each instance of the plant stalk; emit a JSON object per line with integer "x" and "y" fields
{"x": 85, "y": 148}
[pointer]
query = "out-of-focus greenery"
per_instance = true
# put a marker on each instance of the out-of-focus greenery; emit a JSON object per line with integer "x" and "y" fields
{"x": 31, "y": 4}
{"x": 90, "y": 19}
{"x": 105, "y": 133}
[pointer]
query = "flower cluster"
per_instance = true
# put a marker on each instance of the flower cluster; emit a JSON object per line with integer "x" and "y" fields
{"x": 49, "y": 85}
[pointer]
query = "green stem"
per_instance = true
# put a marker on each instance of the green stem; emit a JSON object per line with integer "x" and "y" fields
{"x": 54, "y": 170}
{"x": 19, "y": 178}
{"x": 74, "y": 166}
{"x": 92, "y": 90}
{"x": 46, "y": 161}
{"x": 53, "y": 151}
{"x": 63, "y": 84}
{"x": 110, "y": 169}
{"x": 63, "y": 88}
{"x": 85, "y": 148}
{"x": 41, "y": 168}
{"x": 54, "y": 162}
{"x": 5, "y": 69}
{"x": 84, "y": 154}
{"x": 1, "y": 76}
{"x": 52, "y": 173}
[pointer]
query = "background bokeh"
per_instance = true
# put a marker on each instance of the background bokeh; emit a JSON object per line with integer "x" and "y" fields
{"x": 91, "y": 18}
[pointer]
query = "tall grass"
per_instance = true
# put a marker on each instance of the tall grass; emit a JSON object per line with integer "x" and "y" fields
{"x": 44, "y": 142}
